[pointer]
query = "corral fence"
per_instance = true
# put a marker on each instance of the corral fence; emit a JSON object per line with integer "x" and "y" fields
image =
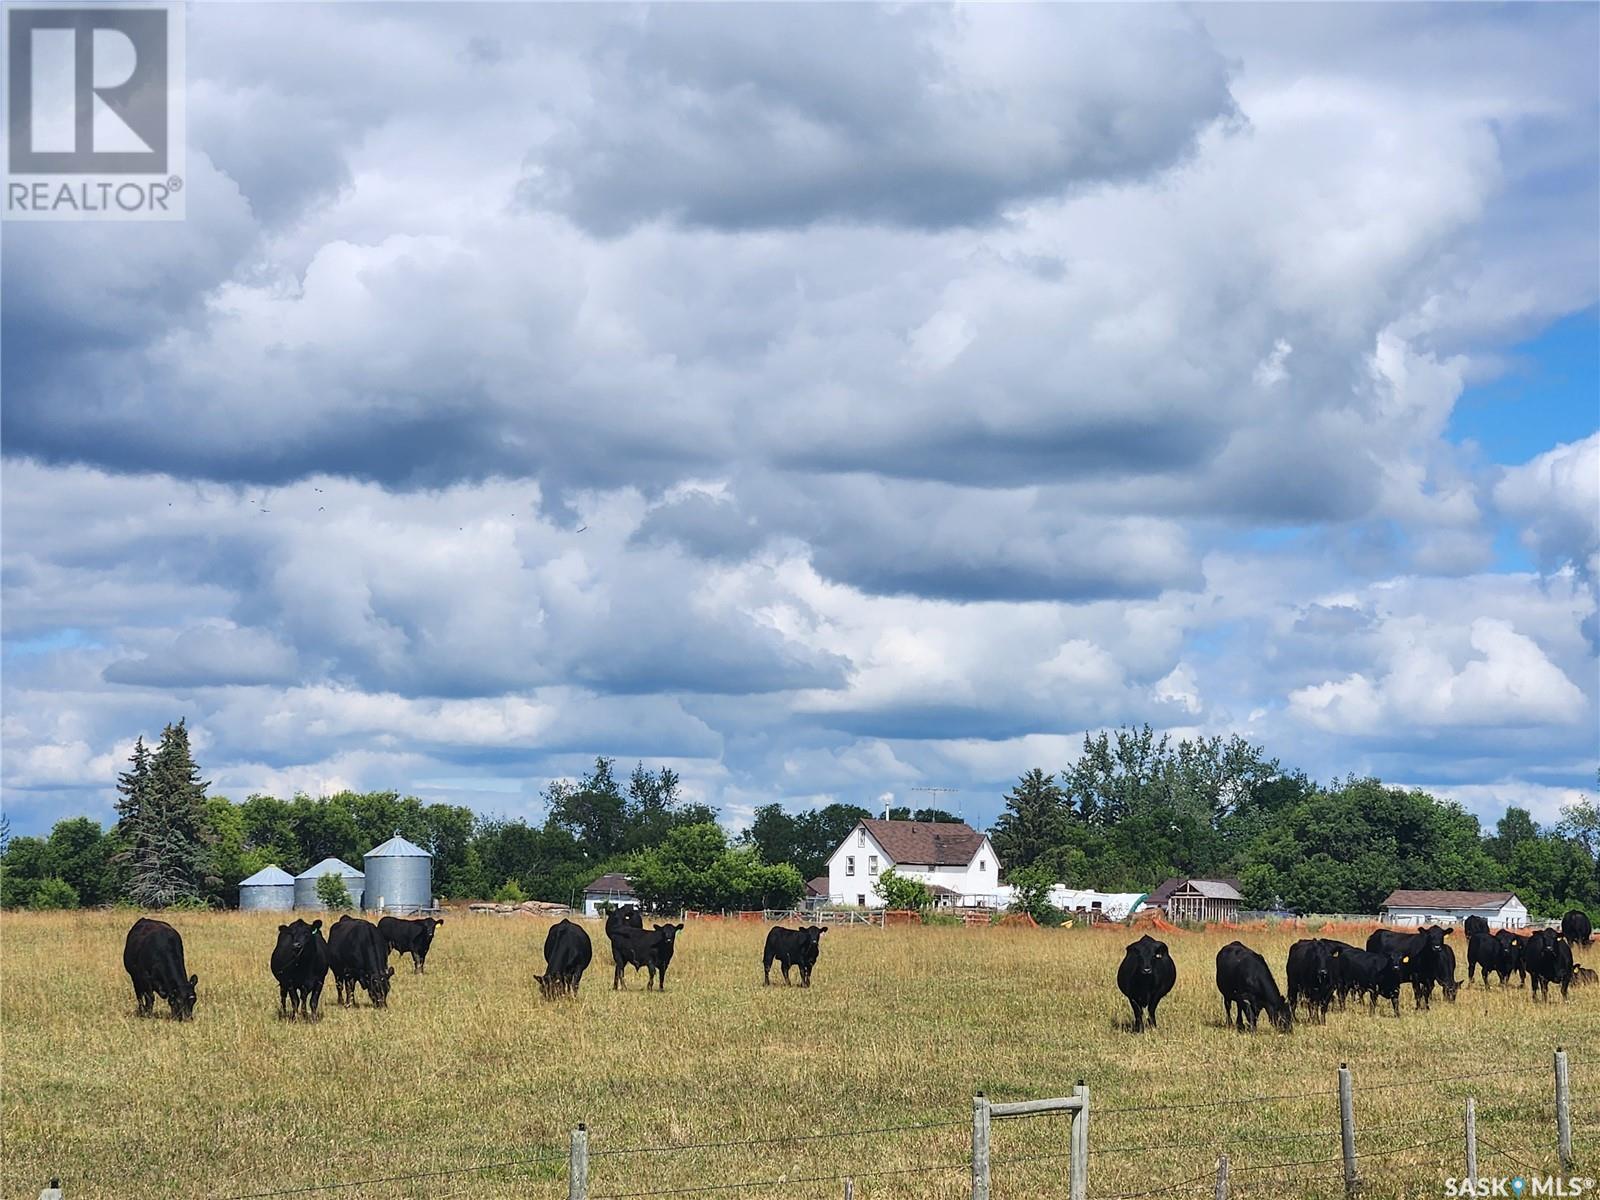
{"x": 1453, "y": 1134}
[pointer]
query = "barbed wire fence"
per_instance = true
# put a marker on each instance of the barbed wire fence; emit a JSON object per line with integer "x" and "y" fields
{"x": 1238, "y": 1162}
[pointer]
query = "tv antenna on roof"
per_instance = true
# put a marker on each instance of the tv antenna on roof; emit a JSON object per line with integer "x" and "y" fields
{"x": 937, "y": 790}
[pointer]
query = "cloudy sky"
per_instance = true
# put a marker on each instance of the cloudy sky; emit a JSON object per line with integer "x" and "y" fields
{"x": 828, "y": 401}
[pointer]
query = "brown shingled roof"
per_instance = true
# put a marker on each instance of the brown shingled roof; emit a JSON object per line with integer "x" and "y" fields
{"x": 934, "y": 843}
{"x": 1430, "y": 899}
{"x": 817, "y": 886}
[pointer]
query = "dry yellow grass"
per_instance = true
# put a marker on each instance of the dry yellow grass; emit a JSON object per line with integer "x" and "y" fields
{"x": 468, "y": 1067}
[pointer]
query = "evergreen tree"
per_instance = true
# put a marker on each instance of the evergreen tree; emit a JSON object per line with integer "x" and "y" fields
{"x": 168, "y": 853}
{"x": 132, "y": 785}
{"x": 1035, "y": 821}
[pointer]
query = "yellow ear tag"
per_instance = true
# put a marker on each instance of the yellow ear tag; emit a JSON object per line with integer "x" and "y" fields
{"x": 1405, "y": 958}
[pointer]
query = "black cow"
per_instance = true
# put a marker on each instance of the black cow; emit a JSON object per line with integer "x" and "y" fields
{"x": 410, "y": 937}
{"x": 629, "y": 916}
{"x": 1370, "y": 974}
{"x": 1146, "y": 975}
{"x": 1549, "y": 960}
{"x": 1419, "y": 954}
{"x": 792, "y": 947}
{"x": 1514, "y": 947}
{"x": 1310, "y": 972}
{"x": 1485, "y": 953}
{"x": 1446, "y": 973}
{"x": 1343, "y": 984}
{"x": 567, "y": 953}
{"x": 649, "y": 948}
{"x": 357, "y": 953}
{"x": 1583, "y": 977}
{"x": 1244, "y": 978}
{"x": 1473, "y": 926}
{"x": 153, "y": 958}
{"x": 1575, "y": 927}
{"x": 300, "y": 965}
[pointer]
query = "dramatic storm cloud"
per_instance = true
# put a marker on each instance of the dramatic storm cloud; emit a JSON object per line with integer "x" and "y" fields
{"x": 825, "y": 400}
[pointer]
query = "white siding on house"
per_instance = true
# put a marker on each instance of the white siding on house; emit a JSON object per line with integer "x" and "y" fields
{"x": 1513, "y": 914}
{"x": 852, "y": 880}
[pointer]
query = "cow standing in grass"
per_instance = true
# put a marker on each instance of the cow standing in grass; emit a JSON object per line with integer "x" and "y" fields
{"x": 1370, "y": 974}
{"x": 792, "y": 947}
{"x": 358, "y": 954}
{"x": 1419, "y": 953}
{"x": 567, "y": 953}
{"x": 300, "y": 965}
{"x": 1145, "y": 977}
{"x": 1549, "y": 960}
{"x": 1310, "y": 975}
{"x": 153, "y": 958}
{"x": 1575, "y": 927}
{"x": 1245, "y": 980}
{"x": 648, "y": 948}
{"x": 410, "y": 937}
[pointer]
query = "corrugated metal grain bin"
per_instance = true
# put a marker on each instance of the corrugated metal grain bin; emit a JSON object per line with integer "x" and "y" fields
{"x": 268, "y": 890}
{"x": 399, "y": 877}
{"x": 305, "y": 883}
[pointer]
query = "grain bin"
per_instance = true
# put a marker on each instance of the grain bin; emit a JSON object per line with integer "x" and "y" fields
{"x": 399, "y": 877}
{"x": 268, "y": 890}
{"x": 305, "y": 883}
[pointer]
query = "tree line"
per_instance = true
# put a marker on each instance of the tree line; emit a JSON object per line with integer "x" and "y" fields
{"x": 1136, "y": 808}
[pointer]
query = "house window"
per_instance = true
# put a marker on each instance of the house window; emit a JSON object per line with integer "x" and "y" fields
{"x": 872, "y": 864}
{"x": 983, "y": 864}
{"x": 861, "y": 901}
{"x": 861, "y": 837}
{"x": 849, "y": 864}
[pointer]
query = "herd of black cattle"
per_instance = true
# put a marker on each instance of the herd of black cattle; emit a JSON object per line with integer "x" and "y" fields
{"x": 1320, "y": 971}
{"x": 357, "y": 953}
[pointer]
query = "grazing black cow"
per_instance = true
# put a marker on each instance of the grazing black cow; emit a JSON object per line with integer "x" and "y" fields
{"x": 1244, "y": 978}
{"x": 357, "y": 953}
{"x": 1446, "y": 973}
{"x": 1343, "y": 984}
{"x": 1370, "y": 974}
{"x": 567, "y": 953}
{"x": 1549, "y": 960}
{"x": 1473, "y": 926}
{"x": 1513, "y": 946}
{"x": 649, "y": 948}
{"x": 410, "y": 937}
{"x": 1310, "y": 973}
{"x": 1419, "y": 954}
{"x": 1146, "y": 975}
{"x": 792, "y": 947}
{"x": 153, "y": 958}
{"x": 1575, "y": 927}
{"x": 1486, "y": 953}
{"x": 300, "y": 965}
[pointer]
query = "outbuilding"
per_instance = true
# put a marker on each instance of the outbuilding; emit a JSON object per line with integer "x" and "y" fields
{"x": 1198, "y": 900}
{"x": 399, "y": 878}
{"x": 611, "y": 890}
{"x": 270, "y": 889}
{"x": 1423, "y": 907}
{"x": 305, "y": 883}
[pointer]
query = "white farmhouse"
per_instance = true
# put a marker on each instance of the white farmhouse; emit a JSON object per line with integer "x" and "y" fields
{"x": 953, "y": 859}
{"x": 1501, "y": 909}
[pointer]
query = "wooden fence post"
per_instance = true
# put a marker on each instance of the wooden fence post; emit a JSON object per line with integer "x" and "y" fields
{"x": 980, "y": 1147}
{"x": 1222, "y": 1177}
{"x": 1347, "y": 1129}
{"x": 1563, "y": 1110}
{"x": 849, "y": 1189}
{"x": 1078, "y": 1188}
{"x": 578, "y": 1164}
{"x": 1472, "y": 1139}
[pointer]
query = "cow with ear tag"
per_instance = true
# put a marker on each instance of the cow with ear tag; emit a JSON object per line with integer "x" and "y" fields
{"x": 300, "y": 965}
{"x": 1146, "y": 975}
{"x": 792, "y": 947}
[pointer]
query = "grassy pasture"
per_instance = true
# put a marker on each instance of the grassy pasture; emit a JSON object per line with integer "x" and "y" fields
{"x": 467, "y": 1066}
